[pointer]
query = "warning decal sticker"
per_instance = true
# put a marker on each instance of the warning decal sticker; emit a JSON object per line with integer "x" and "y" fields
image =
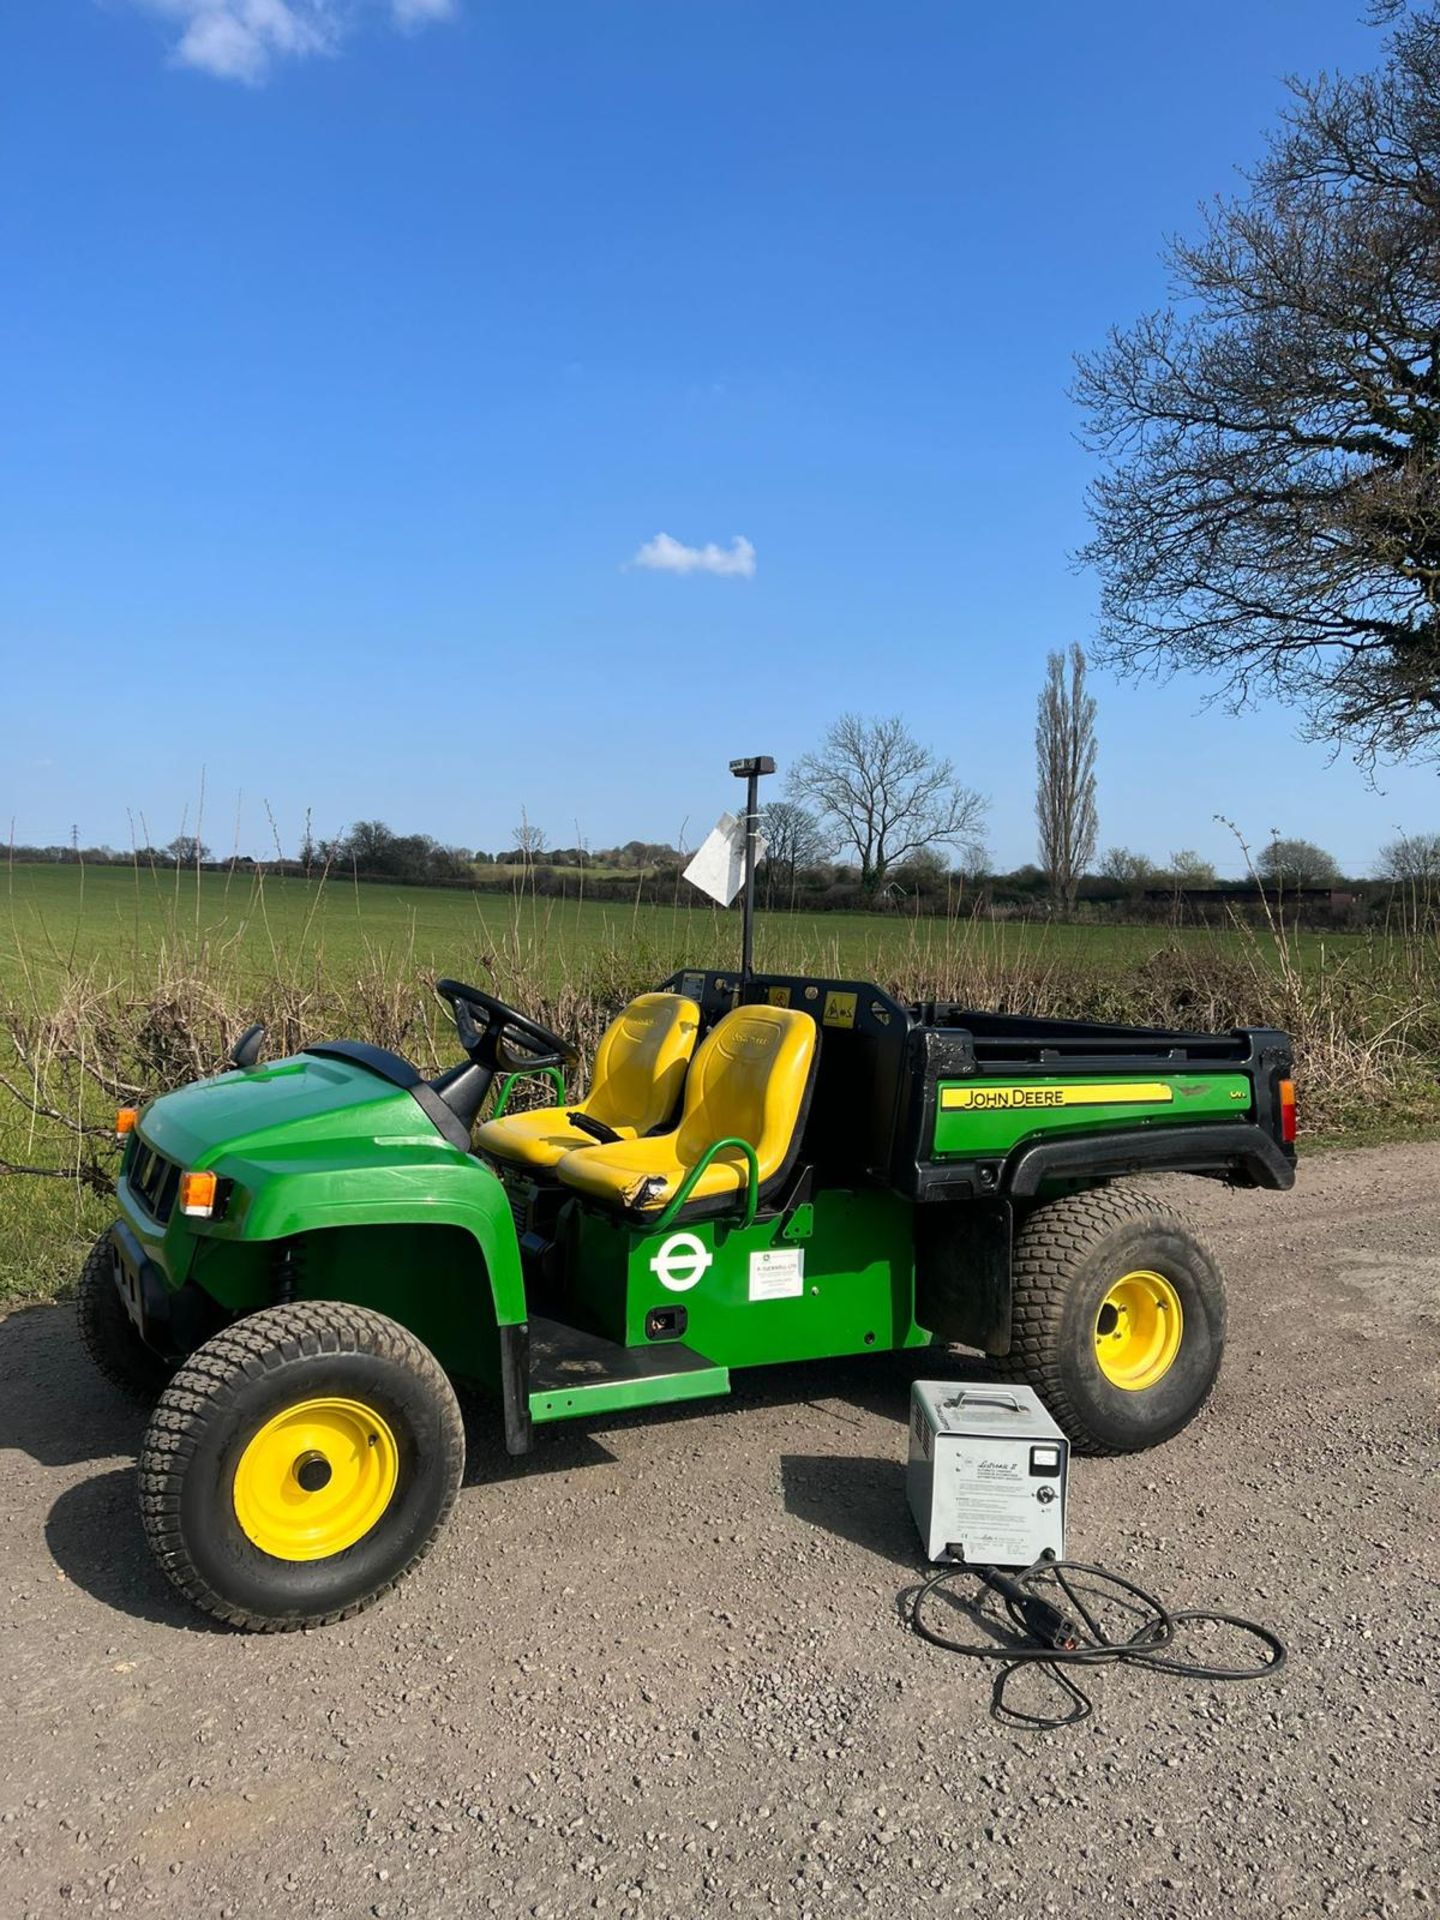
{"x": 777, "y": 1273}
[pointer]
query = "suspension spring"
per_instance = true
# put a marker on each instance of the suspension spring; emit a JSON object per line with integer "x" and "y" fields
{"x": 289, "y": 1270}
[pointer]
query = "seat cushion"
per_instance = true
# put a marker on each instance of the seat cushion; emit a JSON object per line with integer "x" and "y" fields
{"x": 540, "y": 1138}
{"x": 639, "y": 1071}
{"x": 750, "y": 1080}
{"x": 641, "y": 1061}
{"x": 623, "y": 1173}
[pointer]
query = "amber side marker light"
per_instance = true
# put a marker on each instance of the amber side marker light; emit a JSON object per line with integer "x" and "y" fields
{"x": 125, "y": 1121}
{"x": 1287, "y": 1112}
{"x": 197, "y": 1194}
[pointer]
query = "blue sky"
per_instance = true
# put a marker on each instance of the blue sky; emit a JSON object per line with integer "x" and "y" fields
{"x": 350, "y": 353}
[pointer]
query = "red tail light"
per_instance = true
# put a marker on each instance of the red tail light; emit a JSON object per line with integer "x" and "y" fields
{"x": 1287, "y": 1112}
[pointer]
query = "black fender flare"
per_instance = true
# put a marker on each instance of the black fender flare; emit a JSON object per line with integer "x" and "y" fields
{"x": 1245, "y": 1153}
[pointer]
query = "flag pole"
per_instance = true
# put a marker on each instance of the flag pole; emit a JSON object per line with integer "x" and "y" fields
{"x": 750, "y": 771}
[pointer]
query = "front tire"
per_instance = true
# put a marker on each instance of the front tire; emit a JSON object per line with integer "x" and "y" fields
{"x": 108, "y": 1333}
{"x": 1119, "y": 1318}
{"x": 299, "y": 1465}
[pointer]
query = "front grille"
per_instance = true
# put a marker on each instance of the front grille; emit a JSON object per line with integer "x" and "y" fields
{"x": 153, "y": 1180}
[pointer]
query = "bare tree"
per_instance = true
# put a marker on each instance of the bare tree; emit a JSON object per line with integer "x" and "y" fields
{"x": 366, "y": 846}
{"x": 187, "y": 850}
{"x": 793, "y": 839}
{"x": 1065, "y": 775}
{"x": 885, "y": 795}
{"x": 1297, "y": 863}
{"x": 1269, "y": 510}
{"x": 1185, "y": 868}
{"x": 1127, "y": 868}
{"x": 530, "y": 840}
{"x": 1409, "y": 858}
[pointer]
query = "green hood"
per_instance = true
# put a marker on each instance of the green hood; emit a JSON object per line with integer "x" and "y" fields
{"x": 287, "y": 1109}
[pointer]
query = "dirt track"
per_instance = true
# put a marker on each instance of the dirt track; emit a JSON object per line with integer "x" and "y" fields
{"x": 658, "y": 1670}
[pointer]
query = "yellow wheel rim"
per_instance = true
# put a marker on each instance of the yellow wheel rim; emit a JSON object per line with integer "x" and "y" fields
{"x": 316, "y": 1479}
{"x": 1138, "y": 1331}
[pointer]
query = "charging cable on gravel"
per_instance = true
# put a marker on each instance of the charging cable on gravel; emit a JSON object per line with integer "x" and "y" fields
{"x": 1046, "y": 1623}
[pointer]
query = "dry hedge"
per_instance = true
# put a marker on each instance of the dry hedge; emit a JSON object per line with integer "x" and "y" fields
{"x": 1367, "y": 1027}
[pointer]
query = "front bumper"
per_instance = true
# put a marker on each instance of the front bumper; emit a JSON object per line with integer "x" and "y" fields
{"x": 173, "y": 1322}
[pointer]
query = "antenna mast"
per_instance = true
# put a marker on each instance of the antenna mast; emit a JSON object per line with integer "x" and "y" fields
{"x": 750, "y": 771}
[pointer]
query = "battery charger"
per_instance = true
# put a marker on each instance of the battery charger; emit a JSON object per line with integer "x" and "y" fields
{"x": 986, "y": 1475}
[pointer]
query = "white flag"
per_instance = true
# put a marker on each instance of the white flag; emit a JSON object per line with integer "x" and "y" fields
{"x": 718, "y": 867}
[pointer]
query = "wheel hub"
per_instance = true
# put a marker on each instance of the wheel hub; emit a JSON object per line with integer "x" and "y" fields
{"x": 315, "y": 1479}
{"x": 1138, "y": 1331}
{"x": 313, "y": 1471}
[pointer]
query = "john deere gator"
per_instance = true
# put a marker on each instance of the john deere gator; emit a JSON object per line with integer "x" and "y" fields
{"x": 312, "y": 1253}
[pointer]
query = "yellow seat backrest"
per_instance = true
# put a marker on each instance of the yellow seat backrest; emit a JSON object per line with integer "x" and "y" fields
{"x": 748, "y": 1081}
{"x": 641, "y": 1060}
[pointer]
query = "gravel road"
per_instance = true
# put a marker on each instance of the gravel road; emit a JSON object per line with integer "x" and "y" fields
{"x": 658, "y": 1668}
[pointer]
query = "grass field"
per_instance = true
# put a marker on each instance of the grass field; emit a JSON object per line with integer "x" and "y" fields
{"x": 53, "y": 918}
{"x": 117, "y": 983}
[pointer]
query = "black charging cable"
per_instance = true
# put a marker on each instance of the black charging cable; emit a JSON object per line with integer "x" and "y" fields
{"x": 1046, "y": 1623}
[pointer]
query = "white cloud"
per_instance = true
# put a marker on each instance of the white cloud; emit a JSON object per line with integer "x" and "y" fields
{"x": 242, "y": 39}
{"x": 664, "y": 555}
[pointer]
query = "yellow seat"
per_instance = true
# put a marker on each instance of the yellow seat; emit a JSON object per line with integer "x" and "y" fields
{"x": 750, "y": 1080}
{"x": 639, "y": 1070}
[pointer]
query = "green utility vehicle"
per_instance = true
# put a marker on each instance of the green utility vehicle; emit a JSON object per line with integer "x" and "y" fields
{"x": 764, "y": 1168}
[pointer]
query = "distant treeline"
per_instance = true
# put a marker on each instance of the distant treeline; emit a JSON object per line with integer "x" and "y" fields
{"x": 652, "y": 874}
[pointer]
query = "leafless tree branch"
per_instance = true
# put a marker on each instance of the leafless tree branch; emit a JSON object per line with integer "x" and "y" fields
{"x": 1268, "y": 511}
{"x": 885, "y": 795}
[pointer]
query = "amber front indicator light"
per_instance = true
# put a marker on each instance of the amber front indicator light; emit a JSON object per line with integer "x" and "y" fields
{"x": 1287, "y": 1112}
{"x": 197, "y": 1194}
{"x": 125, "y": 1121}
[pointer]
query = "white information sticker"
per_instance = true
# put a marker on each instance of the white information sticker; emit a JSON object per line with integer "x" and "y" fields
{"x": 777, "y": 1273}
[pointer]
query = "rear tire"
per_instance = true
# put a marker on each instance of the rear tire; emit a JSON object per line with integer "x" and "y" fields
{"x": 1119, "y": 1318}
{"x": 299, "y": 1465}
{"x": 108, "y": 1333}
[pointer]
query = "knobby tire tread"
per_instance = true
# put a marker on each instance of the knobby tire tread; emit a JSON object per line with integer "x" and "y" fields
{"x": 1049, "y": 1248}
{"x": 204, "y": 1388}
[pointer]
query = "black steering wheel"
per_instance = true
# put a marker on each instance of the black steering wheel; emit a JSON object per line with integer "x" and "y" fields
{"x": 505, "y": 1039}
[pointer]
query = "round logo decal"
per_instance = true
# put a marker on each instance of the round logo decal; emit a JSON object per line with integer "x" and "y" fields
{"x": 680, "y": 1262}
